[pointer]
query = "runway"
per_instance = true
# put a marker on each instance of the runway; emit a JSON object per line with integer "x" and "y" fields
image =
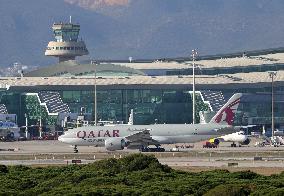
{"x": 53, "y": 152}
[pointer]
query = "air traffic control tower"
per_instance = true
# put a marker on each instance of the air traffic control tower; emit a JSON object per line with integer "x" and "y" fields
{"x": 66, "y": 47}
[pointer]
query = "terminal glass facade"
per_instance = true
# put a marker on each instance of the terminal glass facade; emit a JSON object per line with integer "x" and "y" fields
{"x": 149, "y": 105}
{"x": 66, "y": 32}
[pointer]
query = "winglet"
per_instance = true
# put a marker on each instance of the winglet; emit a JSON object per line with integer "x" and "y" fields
{"x": 227, "y": 113}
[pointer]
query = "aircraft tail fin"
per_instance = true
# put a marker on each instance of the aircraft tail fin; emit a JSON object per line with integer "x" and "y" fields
{"x": 227, "y": 113}
{"x": 130, "y": 120}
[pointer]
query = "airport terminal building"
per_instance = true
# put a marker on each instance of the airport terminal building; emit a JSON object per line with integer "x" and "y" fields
{"x": 154, "y": 99}
{"x": 158, "y": 91}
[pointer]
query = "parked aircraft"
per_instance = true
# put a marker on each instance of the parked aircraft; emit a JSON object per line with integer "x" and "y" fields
{"x": 118, "y": 137}
{"x": 9, "y": 131}
{"x": 277, "y": 141}
{"x": 238, "y": 137}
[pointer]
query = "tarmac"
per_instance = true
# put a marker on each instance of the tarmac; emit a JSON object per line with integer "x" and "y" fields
{"x": 53, "y": 152}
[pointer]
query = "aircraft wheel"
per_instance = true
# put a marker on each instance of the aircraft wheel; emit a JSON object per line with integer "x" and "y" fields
{"x": 143, "y": 149}
{"x": 75, "y": 149}
{"x": 160, "y": 150}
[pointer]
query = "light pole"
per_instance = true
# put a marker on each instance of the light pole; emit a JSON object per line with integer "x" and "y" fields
{"x": 95, "y": 96}
{"x": 40, "y": 128}
{"x": 194, "y": 53}
{"x": 272, "y": 74}
{"x": 26, "y": 128}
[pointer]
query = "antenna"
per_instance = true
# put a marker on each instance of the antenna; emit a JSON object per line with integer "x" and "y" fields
{"x": 70, "y": 19}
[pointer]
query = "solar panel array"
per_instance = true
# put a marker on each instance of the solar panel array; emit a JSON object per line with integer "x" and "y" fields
{"x": 53, "y": 102}
{"x": 215, "y": 98}
{"x": 3, "y": 109}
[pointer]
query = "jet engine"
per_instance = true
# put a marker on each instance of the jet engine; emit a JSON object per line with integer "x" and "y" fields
{"x": 113, "y": 144}
{"x": 246, "y": 142}
{"x": 216, "y": 141}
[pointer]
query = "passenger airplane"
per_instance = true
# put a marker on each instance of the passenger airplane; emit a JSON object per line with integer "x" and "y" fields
{"x": 9, "y": 131}
{"x": 118, "y": 137}
{"x": 238, "y": 137}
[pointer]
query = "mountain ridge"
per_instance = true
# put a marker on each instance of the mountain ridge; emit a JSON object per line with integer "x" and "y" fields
{"x": 141, "y": 29}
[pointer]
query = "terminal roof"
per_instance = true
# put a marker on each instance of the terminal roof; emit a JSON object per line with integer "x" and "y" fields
{"x": 240, "y": 78}
{"x": 242, "y": 61}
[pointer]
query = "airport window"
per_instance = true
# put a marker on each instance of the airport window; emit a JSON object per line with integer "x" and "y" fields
{"x": 132, "y": 96}
{"x": 280, "y": 66}
{"x": 169, "y": 96}
{"x": 88, "y": 96}
{"x": 146, "y": 96}
{"x": 71, "y": 96}
{"x": 116, "y": 96}
{"x": 103, "y": 97}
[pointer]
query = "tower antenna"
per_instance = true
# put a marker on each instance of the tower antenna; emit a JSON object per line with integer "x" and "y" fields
{"x": 70, "y": 19}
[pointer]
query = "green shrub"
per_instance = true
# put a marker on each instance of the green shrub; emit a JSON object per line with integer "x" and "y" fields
{"x": 245, "y": 175}
{"x": 269, "y": 191}
{"x": 136, "y": 174}
{"x": 229, "y": 189}
{"x": 137, "y": 162}
{"x": 3, "y": 169}
{"x": 108, "y": 165}
{"x": 25, "y": 183}
{"x": 19, "y": 168}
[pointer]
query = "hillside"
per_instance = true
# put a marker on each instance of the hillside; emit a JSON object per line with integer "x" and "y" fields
{"x": 136, "y": 174}
{"x": 117, "y": 29}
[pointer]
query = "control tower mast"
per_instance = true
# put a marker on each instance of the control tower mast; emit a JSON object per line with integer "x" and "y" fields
{"x": 66, "y": 45}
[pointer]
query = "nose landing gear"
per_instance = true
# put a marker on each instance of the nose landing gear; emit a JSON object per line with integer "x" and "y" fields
{"x": 75, "y": 149}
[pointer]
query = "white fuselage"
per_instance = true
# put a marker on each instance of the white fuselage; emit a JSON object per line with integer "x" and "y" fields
{"x": 235, "y": 137}
{"x": 163, "y": 133}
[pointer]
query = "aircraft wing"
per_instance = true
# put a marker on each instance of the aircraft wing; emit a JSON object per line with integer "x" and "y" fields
{"x": 141, "y": 138}
{"x": 227, "y": 130}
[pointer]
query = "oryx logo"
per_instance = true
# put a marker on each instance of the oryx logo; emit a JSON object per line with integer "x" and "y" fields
{"x": 228, "y": 113}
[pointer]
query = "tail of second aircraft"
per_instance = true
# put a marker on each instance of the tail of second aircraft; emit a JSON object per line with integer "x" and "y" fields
{"x": 227, "y": 113}
{"x": 131, "y": 116}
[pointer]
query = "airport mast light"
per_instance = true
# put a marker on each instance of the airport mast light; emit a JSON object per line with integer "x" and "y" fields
{"x": 193, "y": 54}
{"x": 95, "y": 110}
{"x": 26, "y": 128}
{"x": 272, "y": 74}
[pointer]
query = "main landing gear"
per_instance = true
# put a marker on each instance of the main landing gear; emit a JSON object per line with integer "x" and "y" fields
{"x": 233, "y": 144}
{"x": 147, "y": 149}
{"x": 75, "y": 149}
